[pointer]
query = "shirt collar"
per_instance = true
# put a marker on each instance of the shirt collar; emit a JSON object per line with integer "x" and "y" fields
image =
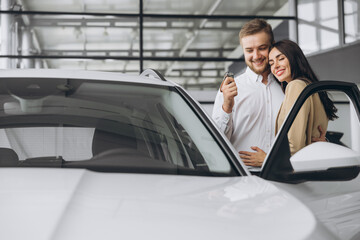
{"x": 271, "y": 78}
{"x": 257, "y": 77}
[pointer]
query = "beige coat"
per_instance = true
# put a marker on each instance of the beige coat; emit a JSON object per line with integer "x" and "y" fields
{"x": 311, "y": 115}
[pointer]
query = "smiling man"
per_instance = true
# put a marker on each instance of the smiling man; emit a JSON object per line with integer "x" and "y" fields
{"x": 246, "y": 107}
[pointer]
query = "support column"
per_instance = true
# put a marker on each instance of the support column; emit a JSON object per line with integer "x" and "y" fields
{"x": 6, "y": 21}
{"x": 27, "y": 49}
{"x": 39, "y": 63}
{"x": 293, "y": 25}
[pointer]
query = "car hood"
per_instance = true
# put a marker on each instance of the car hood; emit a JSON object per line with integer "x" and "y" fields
{"x": 79, "y": 204}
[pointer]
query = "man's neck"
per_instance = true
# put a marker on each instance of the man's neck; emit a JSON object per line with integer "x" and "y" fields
{"x": 265, "y": 77}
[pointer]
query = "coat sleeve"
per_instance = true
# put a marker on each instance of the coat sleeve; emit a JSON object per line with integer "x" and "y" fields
{"x": 297, "y": 132}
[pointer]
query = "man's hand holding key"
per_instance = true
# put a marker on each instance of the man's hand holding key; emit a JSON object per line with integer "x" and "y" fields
{"x": 229, "y": 89}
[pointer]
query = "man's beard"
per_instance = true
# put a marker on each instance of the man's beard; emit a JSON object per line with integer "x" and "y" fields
{"x": 264, "y": 69}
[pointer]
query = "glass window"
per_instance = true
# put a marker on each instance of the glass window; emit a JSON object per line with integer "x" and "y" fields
{"x": 254, "y": 7}
{"x": 352, "y": 20}
{"x": 191, "y": 37}
{"x": 318, "y": 25}
{"x": 108, "y": 65}
{"x": 111, "y": 6}
{"x": 338, "y": 129}
{"x": 105, "y": 127}
{"x": 67, "y": 35}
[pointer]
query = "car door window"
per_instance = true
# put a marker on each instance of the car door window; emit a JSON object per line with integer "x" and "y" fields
{"x": 342, "y": 128}
{"x": 345, "y": 129}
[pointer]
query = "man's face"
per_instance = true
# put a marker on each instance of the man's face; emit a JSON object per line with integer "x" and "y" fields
{"x": 256, "y": 51}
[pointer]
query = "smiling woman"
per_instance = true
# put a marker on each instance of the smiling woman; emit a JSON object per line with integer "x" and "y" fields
{"x": 290, "y": 66}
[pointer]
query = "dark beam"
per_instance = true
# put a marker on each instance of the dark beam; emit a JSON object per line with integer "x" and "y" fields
{"x": 127, "y": 58}
{"x": 146, "y": 15}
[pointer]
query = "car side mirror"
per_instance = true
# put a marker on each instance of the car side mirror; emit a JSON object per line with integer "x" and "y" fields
{"x": 321, "y": 156}
{"x": 324, "y": 161}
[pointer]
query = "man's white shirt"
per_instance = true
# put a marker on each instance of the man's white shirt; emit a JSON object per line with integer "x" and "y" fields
{"x": 252, "y": 120}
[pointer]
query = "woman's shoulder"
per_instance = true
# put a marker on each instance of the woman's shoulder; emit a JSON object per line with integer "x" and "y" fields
{"x": 296, "y": 85}
{"x": 298, "y": 82}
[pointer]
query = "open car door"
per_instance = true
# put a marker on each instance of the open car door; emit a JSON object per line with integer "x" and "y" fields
{"x": 324, "y": 175}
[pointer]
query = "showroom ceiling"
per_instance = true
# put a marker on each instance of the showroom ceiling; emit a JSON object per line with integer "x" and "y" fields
{"x": 171, "y": 36}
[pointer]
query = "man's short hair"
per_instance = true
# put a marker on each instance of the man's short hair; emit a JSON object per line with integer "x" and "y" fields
{"x": 255, "y": 26}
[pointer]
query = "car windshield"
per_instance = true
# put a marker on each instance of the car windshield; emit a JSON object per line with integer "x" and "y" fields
{"x": 104, "y": 126}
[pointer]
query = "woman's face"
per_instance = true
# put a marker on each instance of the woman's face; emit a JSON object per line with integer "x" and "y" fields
{"x": 279, "y": 65}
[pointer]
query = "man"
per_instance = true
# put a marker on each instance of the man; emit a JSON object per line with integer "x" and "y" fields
{"x": 246, "y": 107}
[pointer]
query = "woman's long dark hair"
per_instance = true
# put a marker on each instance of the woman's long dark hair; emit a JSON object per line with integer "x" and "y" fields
{"x": 301, "y": 69}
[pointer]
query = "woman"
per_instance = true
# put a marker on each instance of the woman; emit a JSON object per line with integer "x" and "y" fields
{"x": 290, "y": 66}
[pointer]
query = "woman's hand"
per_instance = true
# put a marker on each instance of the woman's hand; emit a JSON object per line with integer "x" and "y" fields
{"x": 254, "y": 159}
{"x": 322, "y": 137}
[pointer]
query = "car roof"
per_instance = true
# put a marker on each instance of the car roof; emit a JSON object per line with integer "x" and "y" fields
{"x": 82, "y": 74}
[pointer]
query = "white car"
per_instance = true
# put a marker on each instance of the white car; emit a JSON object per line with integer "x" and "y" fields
{"x": 95, "y": 155}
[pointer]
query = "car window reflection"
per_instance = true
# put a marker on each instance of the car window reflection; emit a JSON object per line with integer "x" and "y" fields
{"x": 105, "y": 126}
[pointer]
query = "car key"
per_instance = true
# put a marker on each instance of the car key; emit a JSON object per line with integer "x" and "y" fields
{"x": 227, "y": 74}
